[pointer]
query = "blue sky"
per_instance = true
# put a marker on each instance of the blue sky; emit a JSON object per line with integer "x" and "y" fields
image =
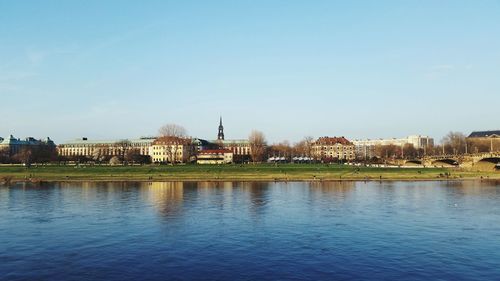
{"x": 360, "y": 69}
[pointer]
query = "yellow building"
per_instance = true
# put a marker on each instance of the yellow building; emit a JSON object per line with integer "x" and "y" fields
{"x": 172, "y": 150}
{"x": 336, "y": 148}
{"x": 483, "y": 141}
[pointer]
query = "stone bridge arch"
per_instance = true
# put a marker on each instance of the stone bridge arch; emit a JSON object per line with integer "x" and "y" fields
{"x": 488, "y": 163}
{"x": 445, "y": 162}
{"x": 413, "y": 162}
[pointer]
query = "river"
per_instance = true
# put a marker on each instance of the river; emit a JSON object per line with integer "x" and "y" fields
{"x": 250, "y": 231}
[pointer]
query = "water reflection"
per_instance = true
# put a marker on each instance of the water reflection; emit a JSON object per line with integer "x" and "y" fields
{"x": 250, "y": 230}
{"x": 259, "y": 195}
{"x": 331, "y": 189}
{"x": 166, "y": 197}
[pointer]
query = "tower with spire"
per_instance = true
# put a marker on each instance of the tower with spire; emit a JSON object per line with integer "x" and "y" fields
{"x": 220, "y": 136}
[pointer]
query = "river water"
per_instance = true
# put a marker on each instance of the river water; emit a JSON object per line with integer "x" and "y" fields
{"x": 250, "y": 231}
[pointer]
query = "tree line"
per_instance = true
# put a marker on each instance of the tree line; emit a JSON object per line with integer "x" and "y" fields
{"x": 454, "y": 143}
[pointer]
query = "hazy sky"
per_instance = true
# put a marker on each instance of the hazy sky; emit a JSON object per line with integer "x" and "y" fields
{"x": 360, "y": 69}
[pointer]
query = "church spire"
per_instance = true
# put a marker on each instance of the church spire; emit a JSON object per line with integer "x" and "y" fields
{"x": 220, "y": 136}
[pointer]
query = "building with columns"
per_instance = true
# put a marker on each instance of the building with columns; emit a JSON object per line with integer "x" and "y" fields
{"x": 108, "y": 148}
{"x": 484, "y": 141}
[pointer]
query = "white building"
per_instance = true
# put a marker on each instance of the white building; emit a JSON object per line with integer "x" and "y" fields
{"x": 215, "y": 156}
{"x": 109, "y": 148}
{"x": 365, "y": 148}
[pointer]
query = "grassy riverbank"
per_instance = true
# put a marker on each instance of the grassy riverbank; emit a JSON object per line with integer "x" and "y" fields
{"x": 267, "y": 172}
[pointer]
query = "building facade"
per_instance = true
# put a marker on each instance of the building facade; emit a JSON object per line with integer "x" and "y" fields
{"x": 215, "y": 156}
{"x": 172, "y": 150}
{"x": 12, "y": 146}
{"x": 104, "y": 148}
{"x": 336, "y": 148}
{"x": 484, "y": 141}
{"x": 239, "y": 147}
{"x": 365, "y": 149}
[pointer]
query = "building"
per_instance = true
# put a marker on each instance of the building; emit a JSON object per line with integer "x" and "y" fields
{"x": 220, "y": 135}
{"x": 484, "y": 141}
{"x": 201, "y": 144}
{"x": 11, "y": 145}
{"x": 485, "y": 135}
{"x": 330, "y": 149}
{"x": 104, "y": 148}
{"x": 365, "y": 149}
{"x": 215, "y": 156}
{"x": 171, "y": 149}
{"x": 239, "y": 147}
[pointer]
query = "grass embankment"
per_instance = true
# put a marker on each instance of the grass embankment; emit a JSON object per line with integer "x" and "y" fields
{"x": 263, "y": 172}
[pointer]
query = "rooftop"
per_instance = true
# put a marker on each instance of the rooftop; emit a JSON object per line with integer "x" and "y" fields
{"x": 107, "y": 142}
{"x": 241, "y": 141}
{"x": 334, "y": 140}
{"x": 485, "y": 134}
{"x": 168, "y": 140}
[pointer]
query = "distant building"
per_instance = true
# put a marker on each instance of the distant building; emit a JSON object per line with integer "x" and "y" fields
{"x": 13, "y": 145}
{"x": 201, "y": 144}
{"x": 485, "y": 134}
{"x": 328, "y": 149}
{"x": 240, "y": 148}
{"x": 172, "y": 150}
{"x": 365, "y": 149}
{"x": 484, "y": 141}
{"x": 108, "y": 148}
{"x": 215, "y": 156}
{"x": 220, "y": 135}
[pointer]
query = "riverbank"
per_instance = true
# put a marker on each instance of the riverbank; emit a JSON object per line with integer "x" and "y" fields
{"x": 259, "y": 172}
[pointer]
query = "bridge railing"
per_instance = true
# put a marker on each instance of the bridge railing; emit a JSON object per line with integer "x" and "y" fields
{"x": 457, "y": 156}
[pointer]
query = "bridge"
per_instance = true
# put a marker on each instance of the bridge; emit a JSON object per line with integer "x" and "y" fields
{"x": 483, "y": 160}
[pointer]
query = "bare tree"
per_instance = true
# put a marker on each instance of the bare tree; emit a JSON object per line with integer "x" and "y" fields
{"x": 172, "y": 130}
{"x": 123, "y": 146}
{"x": 304, "y": 147}
{"x": 172, "y": 137}
{"x": 454, "y": 143}
{"x": 479, "y": 145}
{"x": 24, "y": 156}
{"x": 173, "y": 147}
{"x": 5, "y": 156}
{"x": 98, "y": 154}
{"x": 115, "y": 160}
{"x": 133, "y": 155}
{"x": 409, "y": 151}
{"x": 282, "y": 149}
{"x": 257, "y": 145}
{"x": 387, "y": 151}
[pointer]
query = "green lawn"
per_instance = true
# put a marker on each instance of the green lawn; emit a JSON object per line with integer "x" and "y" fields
{"x": 230, "y": 172}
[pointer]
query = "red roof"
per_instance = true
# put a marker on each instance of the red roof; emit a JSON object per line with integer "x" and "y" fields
{"x": 332, "y": 141}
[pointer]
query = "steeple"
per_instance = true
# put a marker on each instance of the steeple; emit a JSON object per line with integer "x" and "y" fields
{"x": 220, "y": 136}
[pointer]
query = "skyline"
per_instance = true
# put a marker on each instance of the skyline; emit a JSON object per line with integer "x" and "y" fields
{"x": 286, "y": 68}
